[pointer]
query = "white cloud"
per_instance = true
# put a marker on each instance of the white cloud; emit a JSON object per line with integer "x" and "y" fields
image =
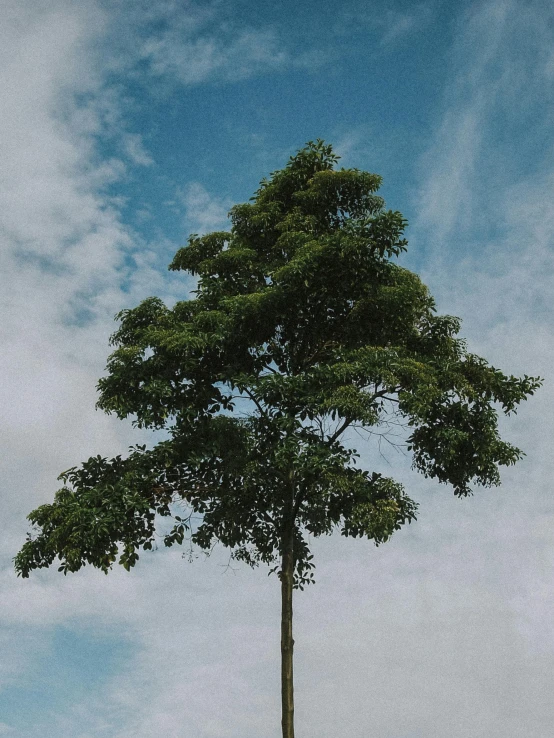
{"x": 392, "y": 24}
{"x": 396, "y": 24}
{"x": 200, "y": 43}
{"x": 467, "y": 168}
{"x": 134, "y": 148}
{"x": 63, "y": 249}
{"x": 448, "y": 198}
{"x": 60, "y": 242}
{"x": 348, "y": 145}
{"x": 65, "y": 255}
{"x": 489, "y": 245}
{"x": 359, "y": 147}
{"x": 203, "y": 212}
{"x": 194, "y": 60}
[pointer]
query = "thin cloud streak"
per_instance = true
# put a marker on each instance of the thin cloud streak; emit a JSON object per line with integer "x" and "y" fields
{"x": 502, "y": 286}
{"x": 393, "y": 26}
{"x": 396, "y": 25}
{"x": 167, "y": 45}
{"x": 191, "y": 61}
{"x": 203, "y": 212}
{"x": 468, "y": 167}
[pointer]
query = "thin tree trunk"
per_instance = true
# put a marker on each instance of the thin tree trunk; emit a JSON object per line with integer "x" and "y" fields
{"x": 287, "y": 643}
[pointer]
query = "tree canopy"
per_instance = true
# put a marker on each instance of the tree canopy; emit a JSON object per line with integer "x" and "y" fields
{"x": 303, "y": 323}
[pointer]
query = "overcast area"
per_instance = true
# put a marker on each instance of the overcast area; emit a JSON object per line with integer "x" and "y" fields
{"x": 124, "y": 126}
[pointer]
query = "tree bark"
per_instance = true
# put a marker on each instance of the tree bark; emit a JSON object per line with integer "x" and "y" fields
{"x": 287, "y": 643}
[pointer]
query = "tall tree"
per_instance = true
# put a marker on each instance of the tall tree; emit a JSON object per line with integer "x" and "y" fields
{"x": 303, "y": 325}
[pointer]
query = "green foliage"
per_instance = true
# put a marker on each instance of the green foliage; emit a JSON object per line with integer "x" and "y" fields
{"x": 302, "y": 325}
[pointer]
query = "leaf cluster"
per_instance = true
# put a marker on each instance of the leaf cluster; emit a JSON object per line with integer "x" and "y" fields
{"x": 303, "y": 324}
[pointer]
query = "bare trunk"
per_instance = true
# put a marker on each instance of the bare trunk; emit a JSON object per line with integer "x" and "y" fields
{"x": 287, "y": 643}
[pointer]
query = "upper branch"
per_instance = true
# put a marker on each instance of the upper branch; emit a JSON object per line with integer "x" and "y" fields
{"x": 256, "y": 402}
{"x": 340, "y": 430}
{"x": 347, "y": 421}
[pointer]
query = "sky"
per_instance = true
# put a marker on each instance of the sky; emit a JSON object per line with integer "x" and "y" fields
{"x": 125, "y": 125}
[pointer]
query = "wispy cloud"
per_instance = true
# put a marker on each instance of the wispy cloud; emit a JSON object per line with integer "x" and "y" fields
{"x": 390, "y": 23}
{"x": 469, "y": 165}
{"x": 231, "y": 57}
{"x": 203, "y": 43}
{"x": 487, "y": 224}
{"x": 66, "y": 265}
{"x": 396, "y": 24}
{"x": 448, "y": 197}
{"x": 134, "y": 148}
{"x": 203, "y": 212}
{"x": 64, "y": 250}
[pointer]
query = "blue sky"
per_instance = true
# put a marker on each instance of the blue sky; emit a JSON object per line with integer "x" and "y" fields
{"x": 354, "y": 77}
{"x": 126, "y": 125}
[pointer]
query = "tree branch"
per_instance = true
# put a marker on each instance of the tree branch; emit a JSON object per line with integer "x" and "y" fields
{"x": 255, "y": 401}
{"x": 298, "y": 501}
{"x": 319, "y": 421}
{"x": 340, "y": 430}
{"x": 348, "y": 421}
{"x": 268, "y": 519}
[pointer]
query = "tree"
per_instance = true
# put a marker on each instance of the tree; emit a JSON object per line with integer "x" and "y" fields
{"x": 303, "y": 325}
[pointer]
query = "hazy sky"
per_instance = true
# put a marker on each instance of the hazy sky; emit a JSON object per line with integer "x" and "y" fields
{"x": 124, "y": 126}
